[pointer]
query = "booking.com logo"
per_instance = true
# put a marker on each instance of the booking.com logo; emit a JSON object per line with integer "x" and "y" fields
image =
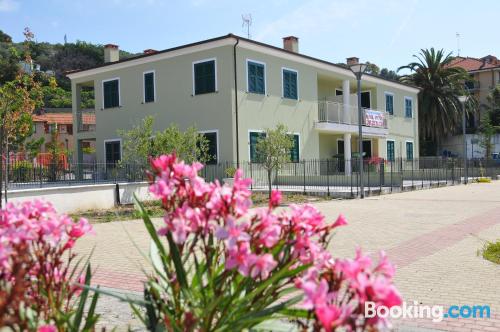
{"x": 436, "y": 312}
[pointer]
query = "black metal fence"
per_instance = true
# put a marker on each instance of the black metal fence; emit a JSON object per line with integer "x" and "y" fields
{"x": 327, "y": 177}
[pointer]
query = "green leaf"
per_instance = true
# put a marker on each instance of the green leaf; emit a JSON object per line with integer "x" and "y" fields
{"x": 91, "y": 319}
{"x": 83, "y": 299}
{"x": 176, "y": 257}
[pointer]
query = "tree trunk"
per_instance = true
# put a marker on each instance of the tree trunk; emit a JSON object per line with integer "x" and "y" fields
{"x": 269, "y": 179}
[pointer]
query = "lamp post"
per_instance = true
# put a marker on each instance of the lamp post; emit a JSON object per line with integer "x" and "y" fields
{"x": 462, "y": 100}
{"x": 358, "y": 69}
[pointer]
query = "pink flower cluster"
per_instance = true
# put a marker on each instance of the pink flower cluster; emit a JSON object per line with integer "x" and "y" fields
{"x": 35, "y": 223}
{"x": 213, "y": 218}
{"x": 337, "y": 293}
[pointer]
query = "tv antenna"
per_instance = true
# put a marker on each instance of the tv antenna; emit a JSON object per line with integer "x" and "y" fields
{"x": 458, "y": 44}
{"x": 247, "y": 21}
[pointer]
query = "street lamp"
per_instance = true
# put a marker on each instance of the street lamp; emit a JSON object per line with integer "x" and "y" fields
{"x": 462, "y": 100}
{"x": 359, "y": 69}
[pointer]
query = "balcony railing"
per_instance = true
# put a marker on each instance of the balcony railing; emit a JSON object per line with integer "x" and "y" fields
{"x": 85, "y": 120}
{"x": 333, "y": 112}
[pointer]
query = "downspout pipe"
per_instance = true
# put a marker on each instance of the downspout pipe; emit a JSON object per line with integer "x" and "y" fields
{"x": 236, "y": 103}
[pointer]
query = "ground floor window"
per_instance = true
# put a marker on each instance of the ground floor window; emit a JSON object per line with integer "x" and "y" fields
{"x": 390, "y": 151}
{"x": 294, "y": 152}
{"x": 253, "y": 138}
{"x": 113, "y": 152}
{"x": 340, "y": 147}
{"x": 211, "y": 137}
{"x": 409, "y": 150}
{"x": 367, "y": 149}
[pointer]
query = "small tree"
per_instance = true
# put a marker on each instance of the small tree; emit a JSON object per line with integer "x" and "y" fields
{"x": 142, "y": 142}
{"x": 273, "y": 151}
{"x": 18, "y": 100}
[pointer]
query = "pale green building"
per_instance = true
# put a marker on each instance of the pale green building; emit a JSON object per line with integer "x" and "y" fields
{"x": 232, "y": 88}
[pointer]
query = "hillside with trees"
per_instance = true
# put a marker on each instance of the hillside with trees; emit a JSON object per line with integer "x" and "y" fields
{"x": 54, "y": 61}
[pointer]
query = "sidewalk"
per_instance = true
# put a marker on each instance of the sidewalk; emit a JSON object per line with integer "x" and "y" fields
{"x": 432, "y": 235}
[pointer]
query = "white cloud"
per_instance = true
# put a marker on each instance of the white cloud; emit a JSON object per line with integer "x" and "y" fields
{"x": 9, "y": 5}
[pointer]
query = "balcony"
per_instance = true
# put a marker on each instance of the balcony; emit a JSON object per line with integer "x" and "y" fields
{"x": 85, "y": 120}
{"x": 333, "y": 118}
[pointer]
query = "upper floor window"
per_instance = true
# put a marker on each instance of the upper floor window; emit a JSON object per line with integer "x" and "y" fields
{"x": 204, "y": 77}
{"x": 389, "y": 103}
{"x": 408, "y": 107}
{"x": 290, "y": 83}
{"x": 366, "y": 99}
{"x": 149, "y": 87}
{"x": 111, "y": 93}
{"x": 256, "y": 75}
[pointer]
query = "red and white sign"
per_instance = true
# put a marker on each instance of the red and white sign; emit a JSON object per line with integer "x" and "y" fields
{"x": 374, "y": 118}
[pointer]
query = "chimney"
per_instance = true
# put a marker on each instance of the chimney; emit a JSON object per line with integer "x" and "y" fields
{"x": 111, "y": 53}
{"x": 291, "y": 43}
{"x": 150, "y": 51}
{"x": 352, "y": 61}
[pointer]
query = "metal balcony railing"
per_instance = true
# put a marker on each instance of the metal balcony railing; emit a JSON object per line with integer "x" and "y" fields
{"x": 333, "y": 112}
{"x": 85, "y": 120}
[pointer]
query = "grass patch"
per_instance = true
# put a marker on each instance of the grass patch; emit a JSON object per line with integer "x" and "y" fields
{"x": 128, "y": 212}
{"x": 491, "y": 251}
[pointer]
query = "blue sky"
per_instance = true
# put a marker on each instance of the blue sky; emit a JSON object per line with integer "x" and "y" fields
{"x": 384, "y": 32}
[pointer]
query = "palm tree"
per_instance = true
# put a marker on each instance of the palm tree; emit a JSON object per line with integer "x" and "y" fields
{"x": 439, "y": 113}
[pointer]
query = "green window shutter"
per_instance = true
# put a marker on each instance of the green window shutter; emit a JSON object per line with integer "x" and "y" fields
{"x": 289, "y": 84}
{"x": 294, "y": 152}
{"x": 408, "y": 107}
{"x": 256, "y": 80}
{"x": 149, "y": 87}
{"x": 204, "y": 77}
{"x": 389, "y": 104}
{"x": 409, "y": 150}
{"x": 390, "y": 150}
{"x": 111, "y": 94}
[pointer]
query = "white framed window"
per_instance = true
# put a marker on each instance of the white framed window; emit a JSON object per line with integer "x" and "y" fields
{"x": 391, "y": 149}
{"x": 204, "y": 76}
{"x": 149, "y": 86}
{"x": 212, "y": 136}
{"x": 408, "y": 107}
{"x": 111, "y": 97}
{"x": 112, "y": 151}
{"x": 253, "y": 137}
{"x": 256, "y": 77}
{"x": 289, "y": 83}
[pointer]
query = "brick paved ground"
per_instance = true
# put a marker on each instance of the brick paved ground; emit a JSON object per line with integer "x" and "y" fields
{"x": 432, "y": 235}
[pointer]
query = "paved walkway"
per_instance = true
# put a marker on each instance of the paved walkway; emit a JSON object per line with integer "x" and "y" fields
{"x": 432, "y": 235}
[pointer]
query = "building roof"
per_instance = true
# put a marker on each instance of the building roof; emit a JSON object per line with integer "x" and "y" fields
{"x": 63, "y": 118}
{"x": 230, "y": 35}
{"x": 475, "y": 64}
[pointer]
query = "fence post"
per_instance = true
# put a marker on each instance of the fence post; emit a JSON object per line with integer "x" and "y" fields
{"x": 327, "y": 177}
{"x": 381, "y": 170}
{"x": 412, "y": 184}
{"x": 391, "y": 161}
{"x": 251, "y": 175}
{"x": 304, "y": 161}
{"x": 402, "y": 174}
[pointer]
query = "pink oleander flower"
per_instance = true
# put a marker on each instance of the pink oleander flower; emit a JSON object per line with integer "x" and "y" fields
{"x": 262, "y": 265}
{"x": 233, "y": 233}
{"x": 241, "y": 258}
{"x": 275, "y": 198}
{"x": 47, "y": 328}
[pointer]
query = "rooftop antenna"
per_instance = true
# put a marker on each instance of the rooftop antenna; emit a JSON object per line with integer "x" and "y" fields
{"x": 247, "y": 21}
{"x": 458, "y": 44}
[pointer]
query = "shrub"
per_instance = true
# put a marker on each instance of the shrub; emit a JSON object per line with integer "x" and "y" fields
{"x": 22, "y": 171}
{"x": 491, "y": 252}
{"x": 218, "y": 265}
{"x": 230, "y": 171}
{"x": 37, "y": 282}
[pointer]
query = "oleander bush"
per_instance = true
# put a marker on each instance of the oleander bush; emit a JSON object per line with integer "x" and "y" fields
{"x": 40, "y": 279}
{"x": 221, "y": 266}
